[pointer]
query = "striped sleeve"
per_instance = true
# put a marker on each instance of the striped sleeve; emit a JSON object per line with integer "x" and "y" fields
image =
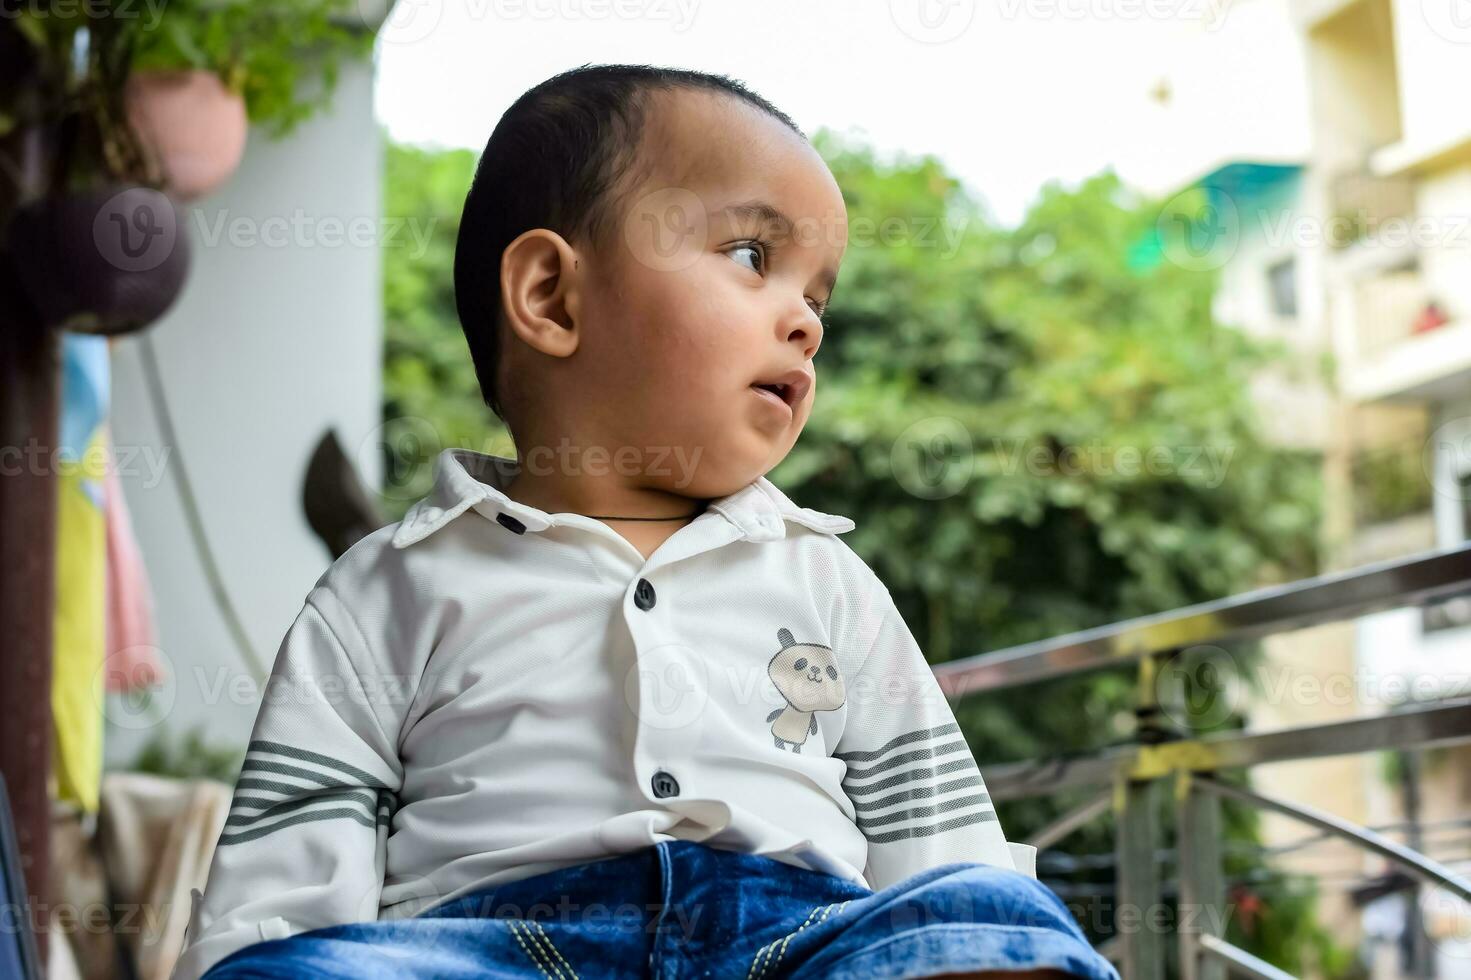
{"x": 917, "y": 794}
{"x": 305, "y": 841}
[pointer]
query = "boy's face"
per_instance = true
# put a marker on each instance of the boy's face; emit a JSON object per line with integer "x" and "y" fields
{"x": 687, "y": 314}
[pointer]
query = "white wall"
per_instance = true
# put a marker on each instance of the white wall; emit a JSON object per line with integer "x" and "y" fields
{"x": 1433, "y": 52}
{"x": 1444, "y": 200}
{"x": 276, "y": 337}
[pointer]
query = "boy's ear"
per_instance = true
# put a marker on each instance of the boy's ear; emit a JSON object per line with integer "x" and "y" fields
{"x": 541, "y": 291}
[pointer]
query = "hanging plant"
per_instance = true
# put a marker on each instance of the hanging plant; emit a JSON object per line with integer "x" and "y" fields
{"x": 208, "y": 68}
{"x": 119, "y": 110}
{"x": 280, "y": 58}
{"x": 272, "y": 53}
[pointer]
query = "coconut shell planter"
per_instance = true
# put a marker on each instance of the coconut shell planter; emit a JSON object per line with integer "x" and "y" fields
{"x": 110, "y": 259}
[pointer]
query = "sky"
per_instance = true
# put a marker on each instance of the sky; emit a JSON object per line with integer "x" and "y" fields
{"x": 1009, "y": 94}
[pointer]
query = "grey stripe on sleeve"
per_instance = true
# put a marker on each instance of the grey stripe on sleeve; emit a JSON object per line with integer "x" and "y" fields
{"x": 306, "y": 817}
{"x": 269, "y": 804}
{"x": 360, "y": 778}
{"x": 923, "y": 793}
{"x": 930, "y": 829}
{"x": 894, "y": 761}
{"x": 921, "y": 775}
{"x": 951, "y": 728}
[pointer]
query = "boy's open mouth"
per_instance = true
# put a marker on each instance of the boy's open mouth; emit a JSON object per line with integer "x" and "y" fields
{"x": 790, "y": 388}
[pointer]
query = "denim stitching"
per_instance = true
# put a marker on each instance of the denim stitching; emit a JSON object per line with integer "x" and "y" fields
{"x": 783, "y": 951}
{"x": 555, "y": 951}
{"x": 539, "y": 940}
{"x": 536, "y": 961}
{"x": 783, "y": 941}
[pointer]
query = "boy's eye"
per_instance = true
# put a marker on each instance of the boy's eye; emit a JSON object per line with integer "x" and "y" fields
{"x": 754, "y": 249}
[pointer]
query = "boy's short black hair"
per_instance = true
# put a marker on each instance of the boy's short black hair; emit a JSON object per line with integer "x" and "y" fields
{"x": 560, "y": 158}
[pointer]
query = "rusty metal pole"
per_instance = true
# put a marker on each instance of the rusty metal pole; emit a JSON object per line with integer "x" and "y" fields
{"x": 30, "y": 410}
{"x": 30, "y": 383}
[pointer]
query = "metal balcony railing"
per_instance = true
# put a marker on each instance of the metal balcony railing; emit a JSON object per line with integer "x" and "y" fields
{"x": 1129, "y": 776}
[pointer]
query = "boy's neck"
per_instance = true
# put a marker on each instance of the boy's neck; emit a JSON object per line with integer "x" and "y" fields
{"x": 604, "y": 496}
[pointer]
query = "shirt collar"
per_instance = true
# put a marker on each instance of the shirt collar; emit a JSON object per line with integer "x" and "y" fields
{"x": 465, "y": 479}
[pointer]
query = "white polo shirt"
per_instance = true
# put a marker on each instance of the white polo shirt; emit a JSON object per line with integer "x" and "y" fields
{"x": 485, "y": 691}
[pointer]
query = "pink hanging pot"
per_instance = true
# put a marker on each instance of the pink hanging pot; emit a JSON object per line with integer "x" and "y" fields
{"x": 191, "y": 123}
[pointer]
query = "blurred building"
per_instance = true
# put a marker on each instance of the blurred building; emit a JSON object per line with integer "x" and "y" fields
{"x": 1357, "y": 259}
{"x": 1391, "y": 164}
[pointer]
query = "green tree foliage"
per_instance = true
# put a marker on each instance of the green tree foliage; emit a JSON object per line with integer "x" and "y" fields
{"x": 1032, "y": 434}
{"x": 431, "y": 399}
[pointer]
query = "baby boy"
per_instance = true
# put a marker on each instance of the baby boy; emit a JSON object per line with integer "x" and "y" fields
{"x": 618, "y": 706}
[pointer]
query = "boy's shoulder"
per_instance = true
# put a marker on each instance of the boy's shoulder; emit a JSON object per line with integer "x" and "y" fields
{"x": 375, "y": 566}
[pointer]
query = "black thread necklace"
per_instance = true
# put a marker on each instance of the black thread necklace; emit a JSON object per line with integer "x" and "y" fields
{"x": 611, "y": 517}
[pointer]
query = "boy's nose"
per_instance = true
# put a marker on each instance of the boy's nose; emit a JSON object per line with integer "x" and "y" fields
{"x": 805, "y": 330}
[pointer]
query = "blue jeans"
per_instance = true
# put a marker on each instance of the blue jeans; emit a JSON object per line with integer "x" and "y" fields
{"x": 681, "y": 909}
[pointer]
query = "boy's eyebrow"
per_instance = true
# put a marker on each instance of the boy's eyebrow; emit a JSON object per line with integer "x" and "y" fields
{"x": 768, "y": 213}
{"x": 760, "y": 210}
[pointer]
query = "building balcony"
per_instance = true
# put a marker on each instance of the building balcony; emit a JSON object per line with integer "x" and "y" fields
{"x": 1403, "y": 346}
{"x": 1399, "y": 338}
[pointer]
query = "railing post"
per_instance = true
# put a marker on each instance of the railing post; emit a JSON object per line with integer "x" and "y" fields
{"x": 1135, "y": 920}
{"x": 1202, "y": 904}
{"x": 1138, "y": 917}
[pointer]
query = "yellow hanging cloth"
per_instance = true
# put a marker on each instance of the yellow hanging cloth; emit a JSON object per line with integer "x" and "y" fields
{"x": 79, "y": 626}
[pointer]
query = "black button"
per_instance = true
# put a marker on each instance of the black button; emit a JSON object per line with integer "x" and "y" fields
{"x": 643, "y": 594}
{"x": 508, "y": 521}
{"x": 664, "y": 784}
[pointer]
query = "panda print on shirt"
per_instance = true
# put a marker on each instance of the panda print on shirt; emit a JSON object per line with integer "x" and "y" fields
{"x": 807, "y": 675}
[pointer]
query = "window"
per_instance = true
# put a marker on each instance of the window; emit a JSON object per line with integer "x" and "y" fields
{"x": 1282, "y": 283}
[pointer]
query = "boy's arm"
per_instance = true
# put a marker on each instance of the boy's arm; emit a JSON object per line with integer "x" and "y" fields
{"x": 918, "y": 795}
{"x": 304, "y": 844}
